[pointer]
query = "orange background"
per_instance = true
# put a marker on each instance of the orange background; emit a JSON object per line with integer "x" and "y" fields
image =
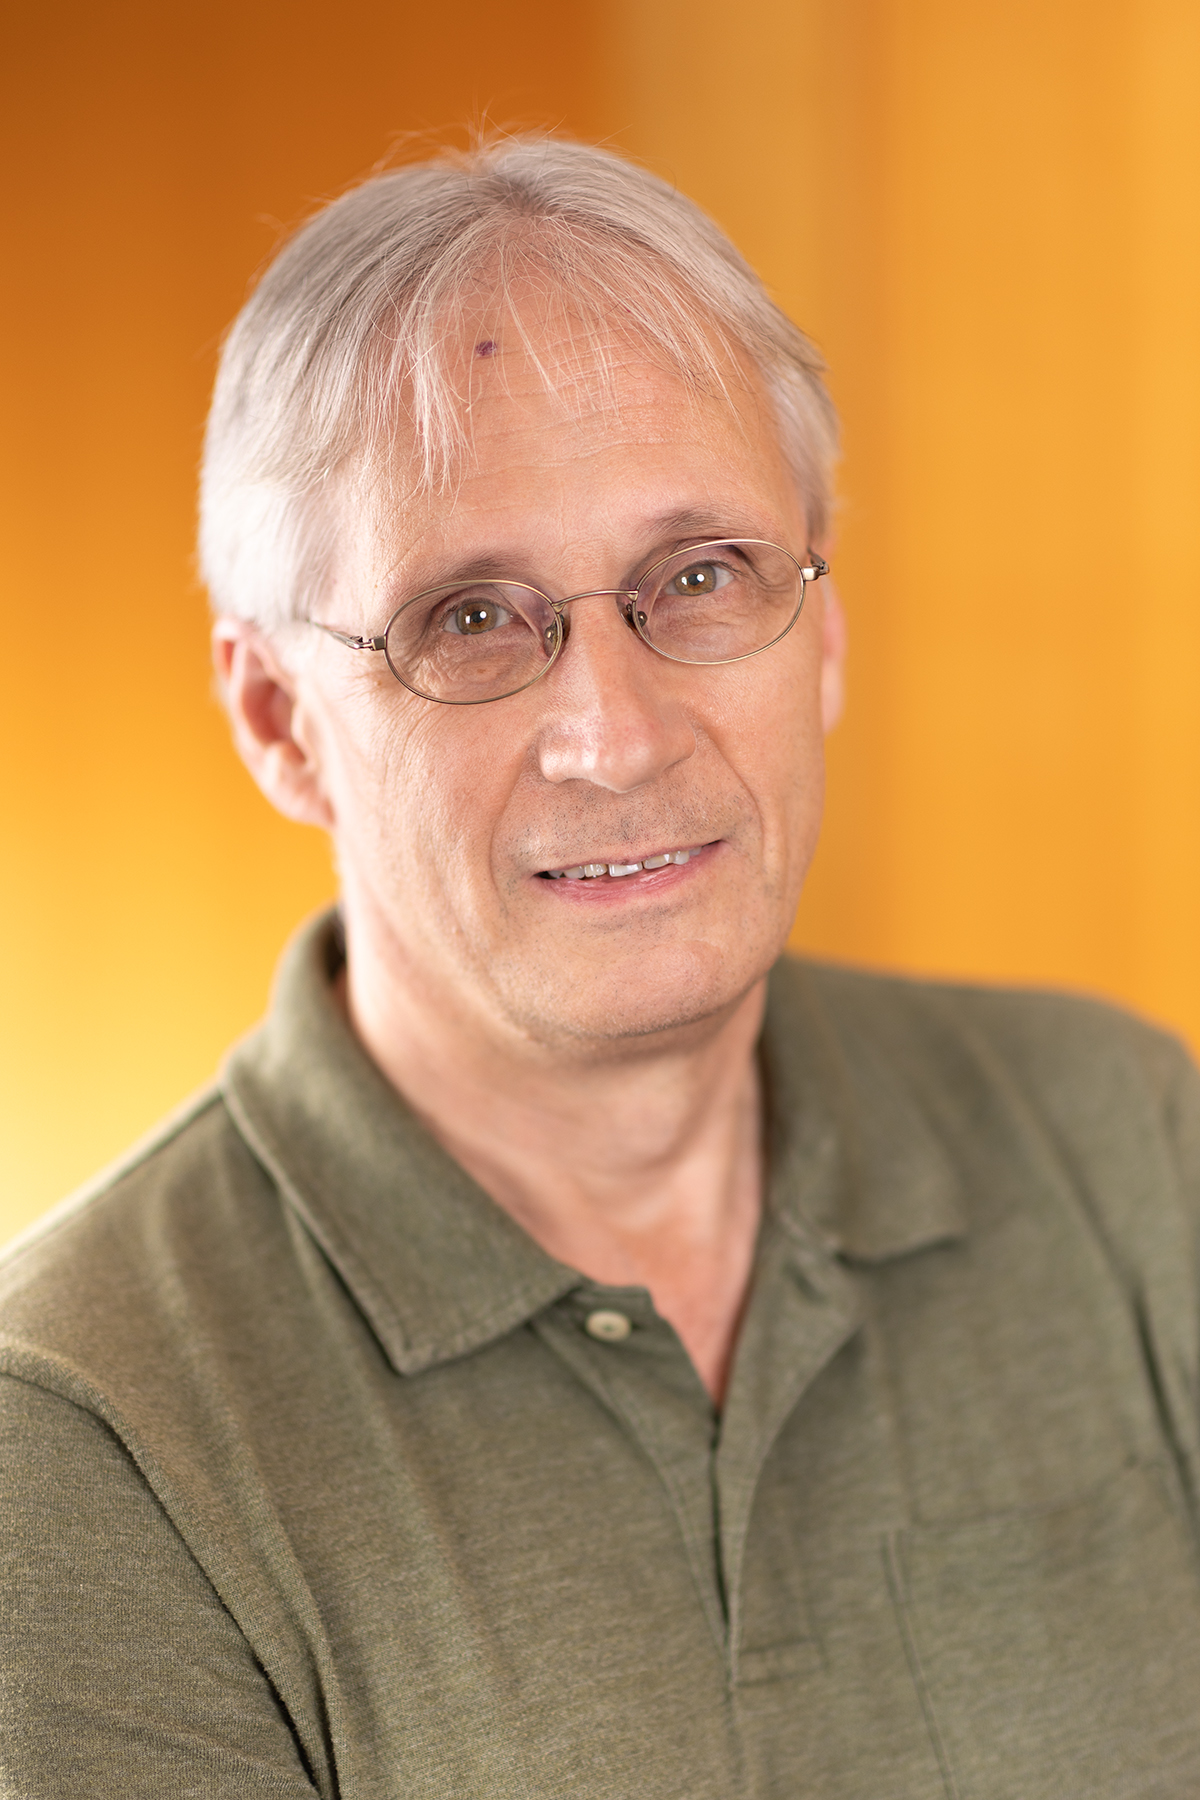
{"x": 987, "y": 212}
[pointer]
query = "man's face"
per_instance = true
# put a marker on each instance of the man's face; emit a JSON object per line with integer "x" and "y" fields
{"x": 448, "y": 820}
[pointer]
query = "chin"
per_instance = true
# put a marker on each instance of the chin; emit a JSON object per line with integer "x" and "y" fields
{"x": 658, "y": 992}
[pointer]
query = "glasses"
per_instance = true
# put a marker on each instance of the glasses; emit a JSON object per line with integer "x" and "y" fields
{"x": 470, "y": 642}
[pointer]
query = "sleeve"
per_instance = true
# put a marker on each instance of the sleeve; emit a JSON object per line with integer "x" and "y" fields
{"x": 1171, "y": 1330}
{"x": 1183, "y": 1121}
{"x": 121, "y": 1672}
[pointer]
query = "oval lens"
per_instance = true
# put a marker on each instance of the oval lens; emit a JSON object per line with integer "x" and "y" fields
{"x": 468, "y": 643}
{"x": 717, "y": 602}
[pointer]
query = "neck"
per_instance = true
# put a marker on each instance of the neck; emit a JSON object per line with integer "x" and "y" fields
{"x": 640, "y": 1167}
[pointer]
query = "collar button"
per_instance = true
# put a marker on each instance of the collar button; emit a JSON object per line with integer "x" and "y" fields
{"x": 608, "y": 1327}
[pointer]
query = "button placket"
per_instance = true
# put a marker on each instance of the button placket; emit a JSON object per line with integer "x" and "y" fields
{"x": 668, "y": 1418}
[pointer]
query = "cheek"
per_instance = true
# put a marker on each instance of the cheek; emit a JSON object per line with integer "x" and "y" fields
{"x": 364, "y": 751}
{"x": 766, "y": 724}
{"x": 426, "y": 791}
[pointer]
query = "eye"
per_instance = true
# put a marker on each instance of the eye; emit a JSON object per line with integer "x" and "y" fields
{"x": 476, "y": 616}
{"x": 699, "y": 578}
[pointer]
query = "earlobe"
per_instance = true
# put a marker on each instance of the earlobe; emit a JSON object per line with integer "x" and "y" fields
{"x": 269, "y": 723}
{"x": 833, "y": 656}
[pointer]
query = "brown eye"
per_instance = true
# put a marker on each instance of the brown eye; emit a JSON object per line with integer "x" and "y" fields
{"x": 701, "y": 578}
{"x": 477, "y": 616}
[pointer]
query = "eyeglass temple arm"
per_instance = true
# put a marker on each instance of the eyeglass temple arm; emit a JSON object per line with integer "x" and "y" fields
{"x": 814, "y": 568}
{"x": 351, "y": 643}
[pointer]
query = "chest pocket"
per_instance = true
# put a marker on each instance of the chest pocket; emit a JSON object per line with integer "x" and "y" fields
{"x": 1057, "y": 1652}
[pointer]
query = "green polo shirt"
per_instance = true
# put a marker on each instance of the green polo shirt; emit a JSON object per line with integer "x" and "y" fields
{"x": 321, "y": 1477}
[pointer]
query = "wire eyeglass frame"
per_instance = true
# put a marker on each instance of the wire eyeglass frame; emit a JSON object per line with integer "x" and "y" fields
{"x": 812, "y": 569}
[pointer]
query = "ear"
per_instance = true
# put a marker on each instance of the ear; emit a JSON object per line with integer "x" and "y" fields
{"x": 272, "y": 729}
{"x": 833, "y": 655}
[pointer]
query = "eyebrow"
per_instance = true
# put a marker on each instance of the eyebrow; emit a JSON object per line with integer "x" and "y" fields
{"x": 662, "y": 533}
{"x": 699, "y": 522}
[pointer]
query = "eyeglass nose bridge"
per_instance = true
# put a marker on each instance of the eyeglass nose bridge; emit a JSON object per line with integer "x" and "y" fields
{"x": 563, "y": 623}
{"x": 592, "y": 594}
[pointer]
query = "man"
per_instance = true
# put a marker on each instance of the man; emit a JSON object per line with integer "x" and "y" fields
{"x": 573, "y": 1352}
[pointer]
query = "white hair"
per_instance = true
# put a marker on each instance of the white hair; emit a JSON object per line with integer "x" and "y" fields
{"x": 349, "y": 329}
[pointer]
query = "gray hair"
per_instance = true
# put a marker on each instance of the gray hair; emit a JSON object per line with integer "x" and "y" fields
{"x": 349, "y": 327}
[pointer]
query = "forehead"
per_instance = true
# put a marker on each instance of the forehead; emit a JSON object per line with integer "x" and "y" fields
{"x": 576, "y": 440}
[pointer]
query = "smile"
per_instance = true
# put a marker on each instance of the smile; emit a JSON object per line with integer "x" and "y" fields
{"x": 590, "y": 870}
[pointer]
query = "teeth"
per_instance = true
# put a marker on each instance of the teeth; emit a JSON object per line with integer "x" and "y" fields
{"x": 589, "y": 871}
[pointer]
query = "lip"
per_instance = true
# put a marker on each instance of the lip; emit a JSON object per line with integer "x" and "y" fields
{"x": 606, "y": 888}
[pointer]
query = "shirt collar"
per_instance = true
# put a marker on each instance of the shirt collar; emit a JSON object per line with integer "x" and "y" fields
{"x": 440, "y": 1270}
{"x": 437, "y": 1267}
{"x": 860, "y": 1112}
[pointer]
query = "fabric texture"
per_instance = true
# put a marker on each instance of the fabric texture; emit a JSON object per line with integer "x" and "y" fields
{"x": 316, "y": 1482}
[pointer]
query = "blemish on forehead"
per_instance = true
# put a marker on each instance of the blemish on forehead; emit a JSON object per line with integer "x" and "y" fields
{"x": 487, "y": 348}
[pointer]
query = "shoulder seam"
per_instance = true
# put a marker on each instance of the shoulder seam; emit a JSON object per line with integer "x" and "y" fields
{"x": 157, "y": 1138}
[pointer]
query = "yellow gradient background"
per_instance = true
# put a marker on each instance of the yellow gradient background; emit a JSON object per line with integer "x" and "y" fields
{"x": 988, "y": 213}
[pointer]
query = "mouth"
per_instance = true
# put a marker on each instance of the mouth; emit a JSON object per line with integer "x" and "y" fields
{"x": 619, "y": 871}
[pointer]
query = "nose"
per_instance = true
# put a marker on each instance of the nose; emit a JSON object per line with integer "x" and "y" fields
{"x": 612, "y": 716}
